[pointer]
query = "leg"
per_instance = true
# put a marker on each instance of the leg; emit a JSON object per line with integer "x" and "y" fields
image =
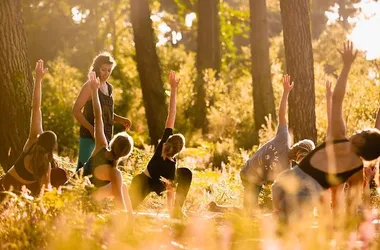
{"x": 139, "y": 189}
{"x": 86, "y": 146}
{"x": 183, "y": 177}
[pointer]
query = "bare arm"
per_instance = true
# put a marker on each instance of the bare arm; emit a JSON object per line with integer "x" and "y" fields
{"x": 36, "y": 116}
{"x": 173, "y": 96}
{"x": 329, "y": 94}
{"x": 116, "y": 184}
{"x": 122, "y": 120}
{"x": 83, "y": 97}
{"x": 338, "y": 128}
{"x": 288, "y": 86}
{"x": 100, "y": 138}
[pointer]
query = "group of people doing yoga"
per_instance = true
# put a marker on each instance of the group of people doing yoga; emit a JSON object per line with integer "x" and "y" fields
{"x": 99, "y": 151}
{"x": 309, "y": 170}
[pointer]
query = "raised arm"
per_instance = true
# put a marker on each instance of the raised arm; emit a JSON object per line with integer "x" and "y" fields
{"x": 36, "y": 116}
{"x": 287, "y": 86}
{"x": 100, "y": 138}
{"x": 338, "y": 128}
{"x": 329, "y": 94}
{"x": 84, "y": 95}
{"x": 173, "y": 97}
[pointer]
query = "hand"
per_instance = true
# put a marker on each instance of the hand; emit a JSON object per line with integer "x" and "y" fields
{"x": 126, "y": 123}
{"x": 288, "y": 86}
{"x": 369, "y": 172}
{"x": 173, "y": 81}
{"x": 40, "y": 71}
{"x": 93, "y": 81}
{"x": 329, "y": 91}
{"x": 348, "y": 54}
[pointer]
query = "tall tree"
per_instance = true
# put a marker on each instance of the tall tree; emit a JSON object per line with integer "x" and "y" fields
{"x": 15, "y": 83}
{"x": 148, "y": 68}
{"x": 208, "y": 54}
{"x": 263, "y": 99}
{"x": 299, "y": 64}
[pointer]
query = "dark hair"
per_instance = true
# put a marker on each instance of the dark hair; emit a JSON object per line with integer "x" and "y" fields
{"x": 121, "y": 145}
{"x": 302, "y": 147}
{"x": 370, "y": 148}
{"x": 42, "y": 154}
{"x": 99, "y": 60}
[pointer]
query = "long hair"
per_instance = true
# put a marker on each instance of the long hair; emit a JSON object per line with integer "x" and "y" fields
{"x": 99, "y": 60}
{"x": 121, "y": 145}
{"x": 173, "y": 146}
{"x": 300, "y": 149}
{"x": 42, "y": 155}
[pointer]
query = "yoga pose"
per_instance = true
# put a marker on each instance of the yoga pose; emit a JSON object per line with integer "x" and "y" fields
{"x": 274, "y": 156}
{"x": 102, "y": 65}
{"x": 161, "y": 173}
{"x": 102, "y": 165}
{"x": 33, "y": 167}
{"x": 338, "y": 160}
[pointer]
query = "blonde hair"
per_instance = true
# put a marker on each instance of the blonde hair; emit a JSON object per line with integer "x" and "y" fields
{"x": 173, "y": 145}
{"x": 42, "y": 154}
{"x": 121, "y": 145}
{"x": 300, "y": 149}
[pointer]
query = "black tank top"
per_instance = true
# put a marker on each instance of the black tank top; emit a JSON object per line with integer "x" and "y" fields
{"x": 20, "y": 167}
{"x": 92, "y": 163}
{"x": 106, "y": 103}
{"x": 326, "y": 180}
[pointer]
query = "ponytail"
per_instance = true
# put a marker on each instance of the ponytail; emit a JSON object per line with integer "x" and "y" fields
{"x": 40, "y": 163}
{"x": 299, "y": 150}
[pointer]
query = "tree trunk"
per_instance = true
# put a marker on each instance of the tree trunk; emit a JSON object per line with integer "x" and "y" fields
{"x": 208, "y": 54}
{"x": 149, "y": 69}
{"x": 15, "y": 83}
{"x": 299, "y": 64}
{"x": 263, "y": 98}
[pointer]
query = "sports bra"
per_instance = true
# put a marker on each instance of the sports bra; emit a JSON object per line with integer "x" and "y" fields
{"x": 92, "y": 163}
{"x": 326, "y": 180}
{"x": 20, "y": 167}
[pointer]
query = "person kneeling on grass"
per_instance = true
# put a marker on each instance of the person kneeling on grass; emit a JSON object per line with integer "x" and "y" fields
{"x": 33, "y": 168}
{"x": 272, "y": 158}
{"x": 161, "y": 173}
{"x": 102, "y": 165}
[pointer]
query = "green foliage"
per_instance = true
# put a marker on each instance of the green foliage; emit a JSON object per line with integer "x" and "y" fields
{"x": 60, "y": 88}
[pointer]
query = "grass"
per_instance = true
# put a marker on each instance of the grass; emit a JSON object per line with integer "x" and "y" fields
{"x": 68, "y": 219}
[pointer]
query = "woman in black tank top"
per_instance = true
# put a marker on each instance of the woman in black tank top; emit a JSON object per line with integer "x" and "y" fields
{"x": 33, "y": 167}
{"x": 102, "y": 65}
{"x": 334, "y": 162}
{"x": 102, "y": 164}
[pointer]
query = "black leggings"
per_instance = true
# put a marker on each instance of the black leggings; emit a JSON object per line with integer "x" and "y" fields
{"x": 142, "y": 185}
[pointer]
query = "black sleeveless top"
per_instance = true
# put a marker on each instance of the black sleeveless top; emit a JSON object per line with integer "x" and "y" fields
{"x": 92, "y": 163}
{"x": 20, "y": 167}
{"x": 326, "y": 180}
{"x": 106, "y": 103}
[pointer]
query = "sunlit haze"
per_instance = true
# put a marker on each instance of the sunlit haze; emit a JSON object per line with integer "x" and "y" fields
{"x": 366, "y": 25}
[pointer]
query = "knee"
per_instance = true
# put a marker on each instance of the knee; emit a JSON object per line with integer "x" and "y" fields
{"x": 184, "y": 173}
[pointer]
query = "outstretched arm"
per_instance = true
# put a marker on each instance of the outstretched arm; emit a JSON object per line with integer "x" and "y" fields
{"x": 338, "y": 128}
{"x": 173, "y": 96}
{"x": 288, "y": 86}
{"x": 36, "y": 117}
{"x": 329, "y": 94}
{"x": 100, "y": 138}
